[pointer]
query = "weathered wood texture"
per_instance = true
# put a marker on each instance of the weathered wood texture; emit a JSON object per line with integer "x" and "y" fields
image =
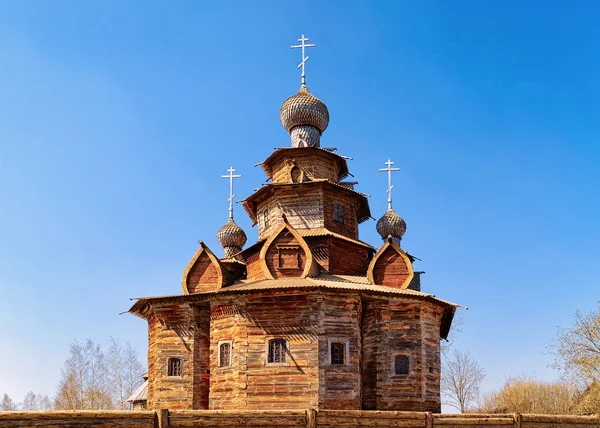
{"x": 250, "y": 322}
{"x": 285, "y": 256}
{"x": 203, "y": 275}
{"x": 349, "y": 227}
{"x": 311, "y": 166}
{"x": 78, "y": 419}
{"x": 254, "y": 266}
{"x": 285, "y": 418}
{"x": 178, "y": 331}
{"x": 303, "y": 207}
{"x": 346, "y": 258}
{"x": 391, "y": 268}
{"x": 339, "y": 321}
{"x": 238, "y": 418}
{"x": 393, "y": 327}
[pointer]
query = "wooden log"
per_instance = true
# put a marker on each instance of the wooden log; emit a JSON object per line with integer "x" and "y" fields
{"x": 162, "y": 418}
{"x": 473, "y": 421}
{"x": 311, "y": 418}
{"x": 559, "y": 419}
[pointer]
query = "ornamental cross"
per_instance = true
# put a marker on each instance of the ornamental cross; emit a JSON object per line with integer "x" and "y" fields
{"x": 304, "y": 58}
{"x": 231, "y": 176}
{"x": 389, "y": 170}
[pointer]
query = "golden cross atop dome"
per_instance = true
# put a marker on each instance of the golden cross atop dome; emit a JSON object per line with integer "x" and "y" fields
{"x": 231, "y": 176}
{"x": 303, "y": 45}
{"x": 389, "y": 171}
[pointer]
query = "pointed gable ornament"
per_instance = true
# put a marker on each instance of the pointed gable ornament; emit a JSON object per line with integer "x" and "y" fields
{"x": 285, "y": 254}
{"x": 390, "y": 266}
{"x": 204, "y": 272}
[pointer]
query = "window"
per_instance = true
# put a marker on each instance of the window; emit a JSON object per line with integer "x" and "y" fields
{"x": 402, "y": 365}
{"x": 288, "y": 256}
{"x": 277, "y": 350}
{"x": 174, "y": 367}
{"x": 266, "y": 220}
{"x": 338, "y": 213}
{"x": 430, "y": 369}
{"x": 225, "y": 355}
{"x": 296, "y": 175}
{"x": 338, "y": 351}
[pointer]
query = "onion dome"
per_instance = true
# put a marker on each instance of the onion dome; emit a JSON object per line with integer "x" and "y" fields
{"x": 305, "y": 117}
{"x": 232, "y": 238}
{"x": 391, "y": 224}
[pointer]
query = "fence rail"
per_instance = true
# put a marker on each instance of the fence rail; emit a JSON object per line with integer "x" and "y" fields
{"x": 286, "y": 418}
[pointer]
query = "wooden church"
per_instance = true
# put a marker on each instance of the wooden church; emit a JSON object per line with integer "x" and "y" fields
{"x": 309, "y": 316}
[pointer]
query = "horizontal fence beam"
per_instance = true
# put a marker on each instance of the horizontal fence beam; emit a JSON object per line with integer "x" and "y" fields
{"x": 288, "y": 418}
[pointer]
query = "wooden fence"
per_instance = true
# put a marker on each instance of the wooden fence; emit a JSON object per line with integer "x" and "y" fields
{"x": 283, "y": 419}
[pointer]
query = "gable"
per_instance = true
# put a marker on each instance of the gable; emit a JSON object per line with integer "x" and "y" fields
{"x": 390, "y": 267}
{"x": 203, "y": 273}
{"x": 286, "y": 255}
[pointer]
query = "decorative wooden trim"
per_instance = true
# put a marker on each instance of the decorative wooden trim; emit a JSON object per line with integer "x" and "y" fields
{"x": 214, "y": 260}
{"x": 390, "y": 243}
{"x": 308, "y": 267}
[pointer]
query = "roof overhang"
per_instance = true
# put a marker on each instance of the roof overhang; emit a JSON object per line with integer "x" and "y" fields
{"x": 267, "y": 164}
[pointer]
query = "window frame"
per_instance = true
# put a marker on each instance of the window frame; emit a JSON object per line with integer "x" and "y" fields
{"x": 346, "y": 345}
{"x": 409, "y": 365}
{"x": 220, "y": 343}
{"x": 266, "y": 218}
{"x": 286, "y": 350}
{"x": 170, "y": 366}
{"x": 337, "y": 208}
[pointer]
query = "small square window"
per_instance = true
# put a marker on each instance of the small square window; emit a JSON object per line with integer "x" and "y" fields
{"x": 174, "y": 367}
{"x": 402, "y": 365}
{"x": 338, "y": 213}
{"x": 225, "y": 355}
{"x": 338, "y": 353}
{"x": 277, "y": 350}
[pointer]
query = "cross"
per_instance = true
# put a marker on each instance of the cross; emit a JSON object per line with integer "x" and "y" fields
{"x": 389, "y": 170}
{"x": 304, "y": 58}
{"x": 231, "y": 176}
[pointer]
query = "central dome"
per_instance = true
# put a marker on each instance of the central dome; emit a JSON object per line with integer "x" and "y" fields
{"x": 308, "y": 114}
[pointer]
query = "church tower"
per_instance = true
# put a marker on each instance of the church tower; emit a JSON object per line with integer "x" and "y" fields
{"x": 309, "y": 316}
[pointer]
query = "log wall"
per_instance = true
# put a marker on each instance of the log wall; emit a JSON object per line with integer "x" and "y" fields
{"x": 287, "y": 418}
{"x": 393, "y": 327}
{"x": 178, "y": 331}
{"x": 251, "y": 382}
{"x": 302, "y": 206}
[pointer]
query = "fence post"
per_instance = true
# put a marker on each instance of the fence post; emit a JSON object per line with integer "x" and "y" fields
{"x": 517, "y": 418}
{"x": 161, "y": 418}
{"x": 311, "y": 418}
{"x": 428, "y": 420}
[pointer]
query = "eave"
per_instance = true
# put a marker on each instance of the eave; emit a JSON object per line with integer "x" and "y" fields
{"x": 281, "y": 151}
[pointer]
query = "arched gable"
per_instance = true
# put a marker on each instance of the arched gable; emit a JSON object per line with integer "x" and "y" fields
{"x": 203, "y": 273}
{"x": 285, "y": 254}
{"x": 390, "y": 266}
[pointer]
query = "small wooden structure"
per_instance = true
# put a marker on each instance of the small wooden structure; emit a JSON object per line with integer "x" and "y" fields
{"x": 308, "y": 317}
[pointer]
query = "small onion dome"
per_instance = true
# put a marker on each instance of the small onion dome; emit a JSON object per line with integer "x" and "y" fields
{"x": 231, "y": 237}
{"x": 304, "y": 109}
{"x": 391, "y": 224}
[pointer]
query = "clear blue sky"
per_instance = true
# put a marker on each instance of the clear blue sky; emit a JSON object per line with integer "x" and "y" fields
{"x": 118, "y": 118}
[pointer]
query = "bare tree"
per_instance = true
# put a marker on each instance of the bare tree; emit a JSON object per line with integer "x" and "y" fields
{"x": 84, "y": 382}
{"x": 34, "y": 401}
{"x": 8, "y": 404}
{"x": 125, "y": 371}
{"x": 133, "y": 369}
{"x": 461, "y": 379}
{"x": 577, "y": 349}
